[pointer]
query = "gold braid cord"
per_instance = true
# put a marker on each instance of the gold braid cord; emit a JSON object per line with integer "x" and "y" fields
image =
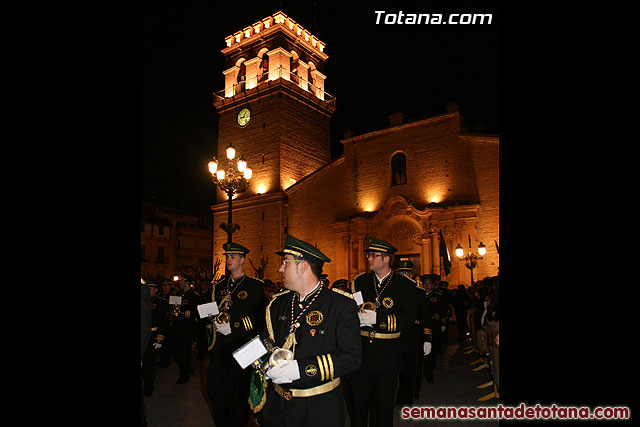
{"x": 213, "y": 340}
{"x": 353, "y": 283}
{"x": 341, "y": 292}
{"x": 267, "y": 315}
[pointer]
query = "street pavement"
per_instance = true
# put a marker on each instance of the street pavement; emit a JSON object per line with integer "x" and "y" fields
{"x": 455, "y": 385}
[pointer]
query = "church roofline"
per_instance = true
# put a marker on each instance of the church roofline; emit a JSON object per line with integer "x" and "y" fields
{"x": 480, "y": 137}
{"x": 403, "y": 126}
{"x": 279, "y": 21}
{"x": 338, "y": 160}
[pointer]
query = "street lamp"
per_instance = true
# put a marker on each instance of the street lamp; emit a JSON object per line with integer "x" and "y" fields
{"x": 231, "y": 181}
{"x": 471, "y": 260}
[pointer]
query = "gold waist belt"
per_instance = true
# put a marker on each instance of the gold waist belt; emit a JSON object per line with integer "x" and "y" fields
{"x": 379, "y": 335}
{"x": 289, "y": 394}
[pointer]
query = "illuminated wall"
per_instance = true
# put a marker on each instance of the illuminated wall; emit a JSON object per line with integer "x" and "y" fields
{"x": 352, "y": 198}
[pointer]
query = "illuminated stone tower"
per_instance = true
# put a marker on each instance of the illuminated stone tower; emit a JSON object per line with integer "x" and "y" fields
{"x": 276, "y": 113}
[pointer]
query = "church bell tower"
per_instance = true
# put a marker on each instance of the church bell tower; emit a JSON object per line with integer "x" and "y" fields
{"x": 276, "y": 113}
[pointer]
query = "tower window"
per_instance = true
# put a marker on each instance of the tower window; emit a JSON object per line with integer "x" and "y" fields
{"x": 398, "y": 169}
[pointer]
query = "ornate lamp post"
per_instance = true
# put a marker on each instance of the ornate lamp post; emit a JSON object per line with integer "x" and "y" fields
{"x": 470, "y": 259}
{"x": 231, "y": 181}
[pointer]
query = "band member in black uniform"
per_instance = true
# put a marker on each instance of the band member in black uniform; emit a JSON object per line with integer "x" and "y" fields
{"x": 320, "y": 326}
{"x": 380, "y": 328}
{"x": 159, "y": 328}
{"x": 436, "y": 308}
{"x": 409, "y": 379}
{"x": 164, "y": 352}
{"x": 448, "y": 300}
{"x": 241, "y": 302}
{"x": 425, "y": 324}
{"x": 183, "y": 327}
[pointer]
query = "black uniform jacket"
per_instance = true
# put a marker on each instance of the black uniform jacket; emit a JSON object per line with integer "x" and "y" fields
{"x": 328, "y": 344}
{"x": 160, "y": 312}
{"x": 437, "y": 305}
{"x": 424, "y": 316}
{"x": 188, "y": 315}
{"x": 246, "y": 313}
{"x": 397, "y": 313}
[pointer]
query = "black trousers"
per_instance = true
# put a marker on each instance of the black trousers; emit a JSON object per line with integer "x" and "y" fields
{"x": 181, "y": 343}
{"x": 149, "y": 368}
{"x": 164, "y": 353}
{"x": 429, "y": 361}
{"x": 461, "y": 317}
{"x": 228, "y": 390}
{"x": 419, "y": 375}
{"x": 445, "y": 336}
{"x": 323, "y": 410}
{"x": 376, "y": 391}
{"x": 409, "y": 375}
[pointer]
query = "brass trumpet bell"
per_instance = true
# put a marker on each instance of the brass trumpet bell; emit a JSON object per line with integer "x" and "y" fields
{"x": 368, "y": 306}
{"x": 223, "y": 318}
{"x": 176, "y": 310}
{"x": 279, "y": 354}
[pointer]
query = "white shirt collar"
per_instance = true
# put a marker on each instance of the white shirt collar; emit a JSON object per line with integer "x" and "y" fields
{"x": 310, "y": 292}
{"x": 384, "y": 277}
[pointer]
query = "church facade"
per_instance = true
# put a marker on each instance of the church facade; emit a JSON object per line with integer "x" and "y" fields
{"x": 405, "y": 184}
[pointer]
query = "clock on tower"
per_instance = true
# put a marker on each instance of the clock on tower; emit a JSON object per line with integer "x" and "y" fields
{"x": 244, "y": 116}
{"x": 276, "y": 113}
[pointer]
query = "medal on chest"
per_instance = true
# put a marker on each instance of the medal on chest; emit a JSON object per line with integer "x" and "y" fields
{"x": 314, "y": 318}
{"x": 377, "y": 285}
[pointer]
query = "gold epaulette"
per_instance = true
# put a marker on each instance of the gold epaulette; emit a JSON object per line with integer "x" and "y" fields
{"x": 353, "y": 283}
{"x": 341, "y": 292}
{"x": 267, "y": 313}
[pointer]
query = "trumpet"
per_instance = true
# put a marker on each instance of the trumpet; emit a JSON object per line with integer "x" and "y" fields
{"x": 176, "y": 309}
{"x": 276, "y": 355}
{"x": 367, "y": 306}
{"x": 279, "y": 354}
{"x": 223, "y": 318}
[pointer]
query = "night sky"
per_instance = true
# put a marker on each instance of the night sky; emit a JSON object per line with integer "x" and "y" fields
{"x": 373, "y": 70}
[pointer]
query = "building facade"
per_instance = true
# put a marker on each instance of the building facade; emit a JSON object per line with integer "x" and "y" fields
{"x": 175, "y": 241}
{"x": 403, "y": 184}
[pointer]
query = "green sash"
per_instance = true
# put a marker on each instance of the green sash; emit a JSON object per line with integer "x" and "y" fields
{"x": 258, "y": 387}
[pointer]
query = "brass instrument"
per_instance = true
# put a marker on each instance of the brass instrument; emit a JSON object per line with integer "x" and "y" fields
{"x": 176, "y": 309}
{"x": 277, "y": 354}
{"x": 223, "y": 318}
{"x": 368, "y": 306}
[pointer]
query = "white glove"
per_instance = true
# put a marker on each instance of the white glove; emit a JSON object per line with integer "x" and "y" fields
{"x": 156, "y": 345}
{"x": 224, "y": 328}
{"x": 442, "y": 328}
{"x": 285, "y": 371}
{"x": 427, "y": 348}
